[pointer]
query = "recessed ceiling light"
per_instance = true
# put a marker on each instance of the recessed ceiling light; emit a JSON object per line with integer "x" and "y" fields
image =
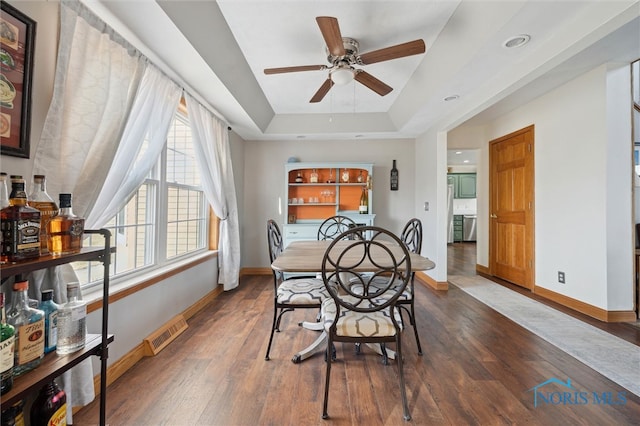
{"x": 465, "y": 161}
{"x": 451, "y": 98}
{"x": 458, "y": 152}
{"x": 516, "y": 41}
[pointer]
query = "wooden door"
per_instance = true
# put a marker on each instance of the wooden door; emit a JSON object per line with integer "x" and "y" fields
{"x": 511, "y": 194}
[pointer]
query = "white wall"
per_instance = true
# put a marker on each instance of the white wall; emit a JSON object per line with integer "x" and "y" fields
{"x": 431, "y": 156}
{"x": 582, "y": 206}
{"x": 265, "y": 183}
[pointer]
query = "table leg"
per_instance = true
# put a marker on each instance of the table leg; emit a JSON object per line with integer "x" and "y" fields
{"x": 309, "y": 350}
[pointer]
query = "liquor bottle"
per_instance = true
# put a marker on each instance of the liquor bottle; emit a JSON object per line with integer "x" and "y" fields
{"x": 72, "y": 322}
{"x": 364, "y": 201}
{"x": 7, "y": 341}
{"x": 65, "y": 230}
{"x": 40, "y": 199}
{"x": 50, "y": 309}
{"x": 394, "y": 177}
{"x": 50, "y": 406}
{"x": 20, "y": 225}
{"x": 313, "y": 178}
{"x": 299, "y": 178}
{"x": 360, "y": 177}
{"x": 345, "y": 176}
{"x": 13, "y": 415}
{"x": 29, "y": 325}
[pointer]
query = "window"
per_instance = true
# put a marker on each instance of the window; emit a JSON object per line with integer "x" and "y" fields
{"x": 164, "y": 221}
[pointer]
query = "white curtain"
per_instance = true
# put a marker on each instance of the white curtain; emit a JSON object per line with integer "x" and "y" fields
{"x": 211, "y": 144}
{"x": 153, "y": 110}
{"x": 97, "y": 77}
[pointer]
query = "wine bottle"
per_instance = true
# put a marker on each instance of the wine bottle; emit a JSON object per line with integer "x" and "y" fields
{"x": 394, "y": 177}
{"x": 364, "y": 201}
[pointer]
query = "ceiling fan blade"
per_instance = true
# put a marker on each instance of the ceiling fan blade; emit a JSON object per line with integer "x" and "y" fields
{"x": 331, "y": 32}
{"x": 322, "y": 91}
{"x": 294, "y": 69}
{"x": 409, "y": 48}
{"x": 372, "y": 83}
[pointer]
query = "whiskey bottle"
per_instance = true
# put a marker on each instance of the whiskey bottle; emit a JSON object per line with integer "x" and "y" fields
{"x": 29, "y": 325}
{"x": 50, "y": 406}
{"x": 72, "y": 322}
{"x": 7, "y": 341}
{"x": 364, "y": 202}
{"x": 20, "y": 225}
{"x": 65, "y": 230}
{"x": 40, "y": 199}
{"x": 50, "y": 309}
{"x": 313, "y": 178}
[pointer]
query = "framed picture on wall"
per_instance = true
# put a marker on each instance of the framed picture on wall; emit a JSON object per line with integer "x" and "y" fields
{"x": 17, "y": 36}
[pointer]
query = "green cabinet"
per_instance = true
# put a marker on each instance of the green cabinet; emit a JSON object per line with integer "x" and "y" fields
{"x": 464, "y": 184}
{"x": 457, "y": 228}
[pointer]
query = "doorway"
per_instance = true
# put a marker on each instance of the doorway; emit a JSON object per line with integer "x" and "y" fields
{"x": 511, "y": 208}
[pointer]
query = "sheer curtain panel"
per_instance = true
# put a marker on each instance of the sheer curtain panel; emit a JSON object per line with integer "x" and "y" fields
{"x": 97, "y": 76}
{"x": 211, "y": 143}
{"x": 153, "y": 109}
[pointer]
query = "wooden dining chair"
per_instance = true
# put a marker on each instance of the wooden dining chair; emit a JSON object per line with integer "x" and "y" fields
{"x": 365, "y": 317}
{"x": 411, "y": 237}
{"x": 293, "y": 293}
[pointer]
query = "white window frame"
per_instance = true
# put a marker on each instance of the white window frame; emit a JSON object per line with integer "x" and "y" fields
{"x": 156, "y": 250}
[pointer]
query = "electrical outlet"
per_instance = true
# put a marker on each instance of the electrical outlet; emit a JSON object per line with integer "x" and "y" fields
{"x": 426, "y": 206}
{"x": 561, "y": 277}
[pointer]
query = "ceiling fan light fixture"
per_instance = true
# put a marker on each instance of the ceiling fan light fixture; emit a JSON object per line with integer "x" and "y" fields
{"x": 342, "y": 75}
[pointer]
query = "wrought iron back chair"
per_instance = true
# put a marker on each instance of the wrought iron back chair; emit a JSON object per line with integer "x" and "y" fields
{"x": 334, "y": 226}
{"x": 292, "y": 293}
{"x": 411, "y": 237}
{"x": 368, "y": 316}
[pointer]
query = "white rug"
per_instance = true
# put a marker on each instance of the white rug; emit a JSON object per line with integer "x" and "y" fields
{"x": 609, "y": 355}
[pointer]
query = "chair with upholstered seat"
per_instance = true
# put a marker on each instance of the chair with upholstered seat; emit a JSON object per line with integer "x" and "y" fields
{"x": 292, "y": 293}
{"x": 371, "y": 315}
{"x": 411, "y": 236}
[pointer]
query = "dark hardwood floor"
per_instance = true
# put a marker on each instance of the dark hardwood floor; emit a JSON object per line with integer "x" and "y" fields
{"x": 477, "y": 369}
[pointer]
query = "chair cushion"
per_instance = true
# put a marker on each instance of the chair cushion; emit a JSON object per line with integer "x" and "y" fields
{"x": 357, "y": 287}
{"x": 302, "y": 291}
{"x": 358, "y": 324}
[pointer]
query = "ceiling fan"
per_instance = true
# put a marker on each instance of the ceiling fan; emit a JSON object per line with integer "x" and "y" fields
{"x": 343, "y": 54}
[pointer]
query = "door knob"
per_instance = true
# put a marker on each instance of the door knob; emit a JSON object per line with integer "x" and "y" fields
{"x": 494, "y": 216}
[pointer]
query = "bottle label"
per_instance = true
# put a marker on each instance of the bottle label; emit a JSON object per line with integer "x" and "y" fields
{"x": 78, "y": 312}
{"x": 363, "y": 209}
{"x": 52, "y": 331}
{"x": 6, "y": 354}
{"x": 30, "y": 342}
{"x": 59, "y": 418}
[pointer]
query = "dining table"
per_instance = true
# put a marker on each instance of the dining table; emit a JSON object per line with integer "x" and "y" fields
{"x": 305, "y": 256}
